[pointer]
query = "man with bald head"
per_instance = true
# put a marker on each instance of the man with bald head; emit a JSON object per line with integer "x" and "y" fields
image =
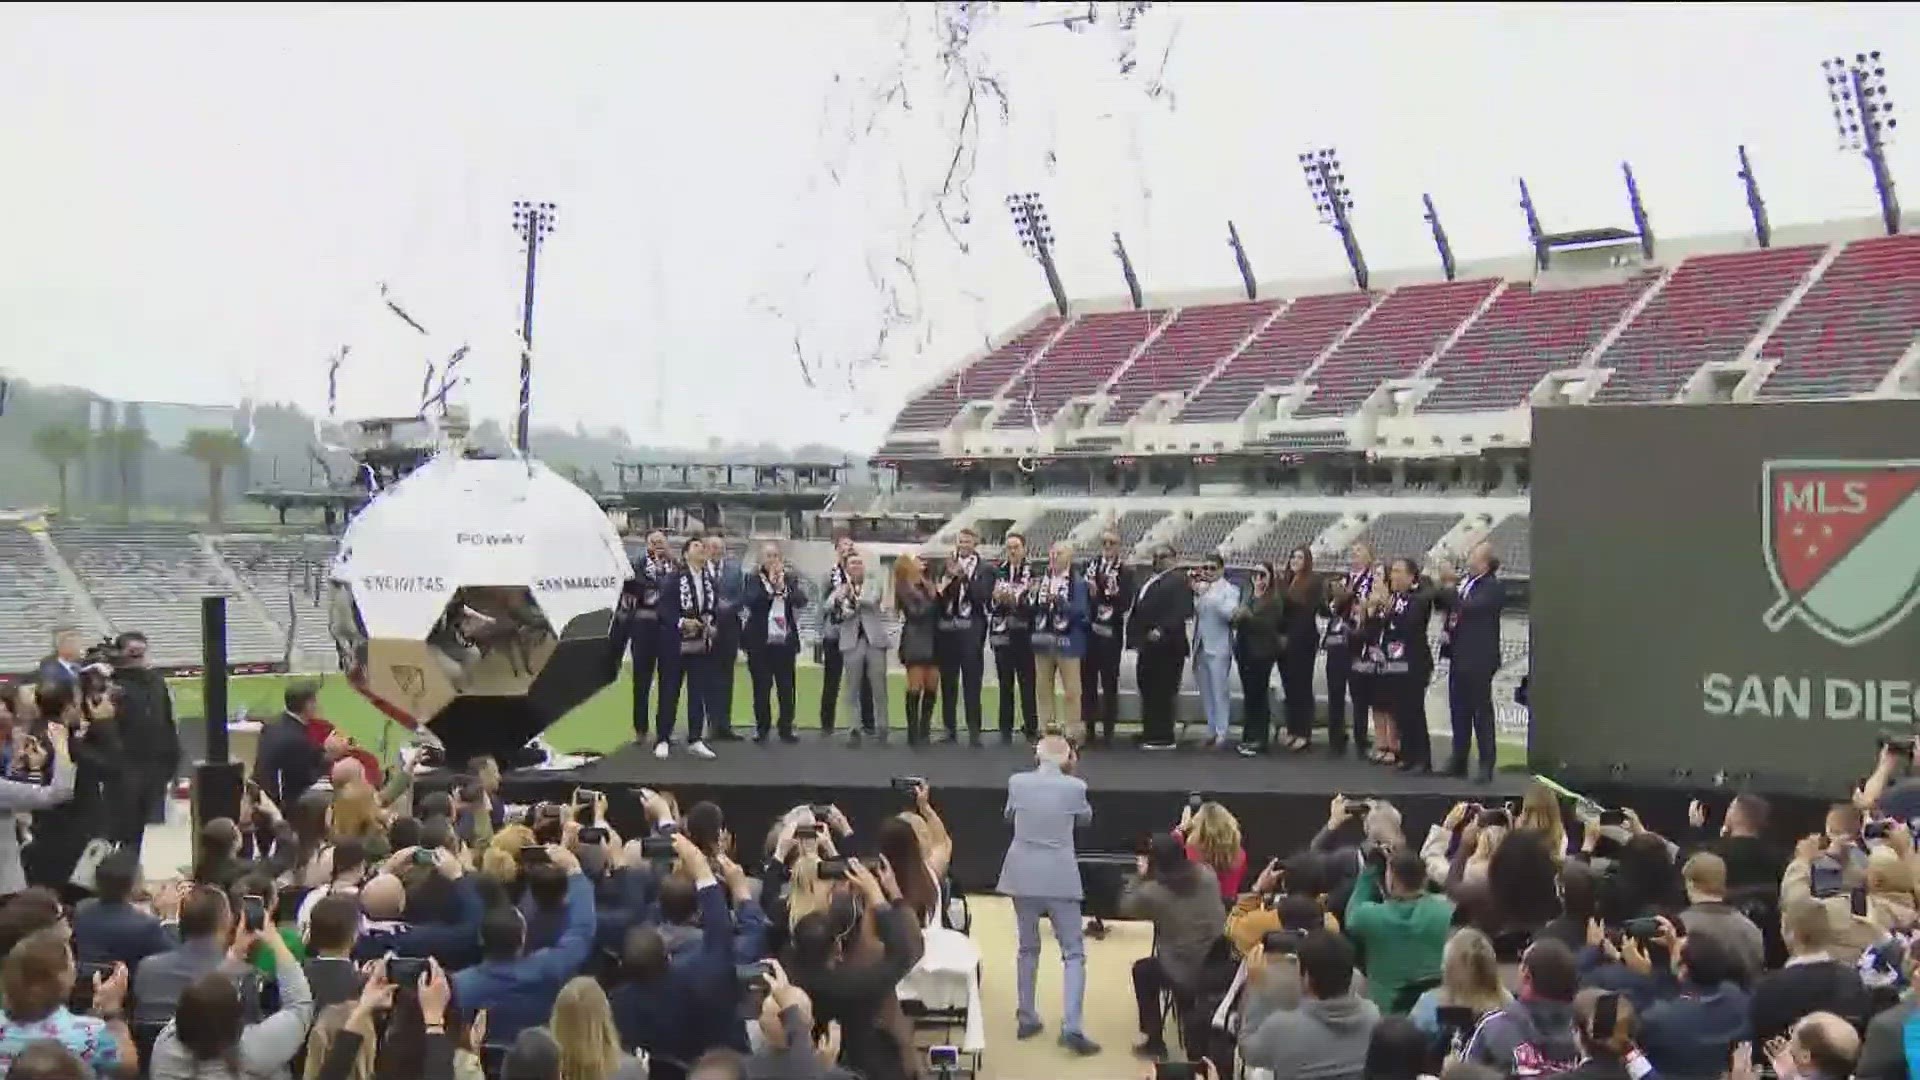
{"x": 1472, "y": 639}
{"x": 1042, "y": 875}
{"x": 383, "y": 900}
{"x": 1821, "y": 1047}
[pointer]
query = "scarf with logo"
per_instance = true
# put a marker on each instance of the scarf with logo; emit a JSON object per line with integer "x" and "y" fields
{"x": 698, "y": 605}
{"x": 960, "y": 605}
{"x": 1006, "y": 614}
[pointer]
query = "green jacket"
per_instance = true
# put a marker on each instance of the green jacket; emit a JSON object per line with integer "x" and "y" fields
{"x": 1403, "y": 939}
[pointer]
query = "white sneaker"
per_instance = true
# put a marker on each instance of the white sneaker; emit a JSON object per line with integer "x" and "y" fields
{"x": 661, "y": 750}
{"x": 700, "y": 750}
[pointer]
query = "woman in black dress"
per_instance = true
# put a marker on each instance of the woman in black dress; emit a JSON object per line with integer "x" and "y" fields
{"x": 913, "y": 597}
{"x": 1257, "y": 647}
{"x": 1403, "y": 659}
{"x": 1301, "y": 591}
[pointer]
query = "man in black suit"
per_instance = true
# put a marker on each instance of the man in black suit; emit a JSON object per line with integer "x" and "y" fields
{"x": 287, "y": 763}
{"x": 1157, "y": 633}
{"x": 1110, "y": 589}
{"x": 966, "y": 589}
{"x": 108, "y": 928}
{"x": 1472, "y": 639}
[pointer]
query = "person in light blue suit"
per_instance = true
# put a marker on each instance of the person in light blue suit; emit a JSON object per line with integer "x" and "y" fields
{"x": 1042, "y": 876}
{"x": 1215, "y": 600}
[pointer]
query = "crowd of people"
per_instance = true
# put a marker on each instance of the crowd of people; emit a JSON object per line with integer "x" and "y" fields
{"x": 1539, "y": 937}
{"x": 349, "y": 924}
{"x": 1056, "y": 630}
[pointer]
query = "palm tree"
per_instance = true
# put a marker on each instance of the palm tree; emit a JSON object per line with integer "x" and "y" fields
{"x": 124, "y": 446}
{"x": 218, "y": 451}
{"x": 61, "y": 445}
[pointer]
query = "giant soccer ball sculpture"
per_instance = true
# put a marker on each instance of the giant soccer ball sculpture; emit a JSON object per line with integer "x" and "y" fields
{"x": 476, "y": 597}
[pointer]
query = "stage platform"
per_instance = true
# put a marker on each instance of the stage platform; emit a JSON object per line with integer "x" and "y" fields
{"x": 1280, "y": 800}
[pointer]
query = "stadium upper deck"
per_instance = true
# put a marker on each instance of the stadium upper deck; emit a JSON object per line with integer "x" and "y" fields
{"x": 1423, "y": 367}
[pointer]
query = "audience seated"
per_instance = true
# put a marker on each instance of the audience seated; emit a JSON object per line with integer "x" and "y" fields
{"x": 1707, "y": 912}
{"x": 110, "y": 928}
{"x": 1327, "y": 1037}
{"x": 1692, "y": 1033}
{"x": 1181, "y": 898}
{"x": 209, "y": 1035}
{"x": 207, "y": 944}
{"x": 1812, "y": 980}
{"x": 1533, "y": 1035}
{"x": 38, "y": 977}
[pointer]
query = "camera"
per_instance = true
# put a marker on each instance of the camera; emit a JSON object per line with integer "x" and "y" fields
{"x": 1175, "y": 1070}
{"x": 943, "y": 1058}
{"x": 1359, "y": 808}
{"x": 658, "y": 849}
{"x": 585, "y": 802}
{"x": 1498, "y": 817}
{"x": 1876, "y": 830}
{"x": 105, "y": 653}
{"x": 806, "y": 832}
{"x": 1610, "y": 818}
{"x": 1194, "y": 799}
{"x": 822, "y": 811}
{"x": 1897, "y": 747}
{"x": 1642, "y": 930}
{"x": 748, "y": 975}
{"x": 254, "y": 910}
{"x": 1282, "y": 942}
{"x": 423, "y": 856}
{"x": 593, "y": 835}
{"x": 833, "y": 870}
{"x": 85, "y": 971}
{"x": 406, "y": 970}
{"x": 534, "y": 855}
{"x": 904, "y": 785}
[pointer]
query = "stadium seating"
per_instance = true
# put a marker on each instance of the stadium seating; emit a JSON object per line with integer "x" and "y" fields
{"x": 1392, "y": 344}
{"x": 150, "y": 577}
{"x": 1524, "y": 335}
{"x": 32, "y": 601}
{"x": 1852, "y": 326}
{"x": 1413, "y": 533}
{"x": 1052, "y": 525}
{"x": 1512, "y": 542}
{"x": 1084, "y": 358}
{"x": 1207, "y": 531}
{"x": 289, "y": 576}
{"x": 1277, "y": 356}
{"x": 1134, "y": 525}
{"x": 1296, "y": 529}
{"x": 1709, "y": 310}
{"x": 1198, "y": 340}
{"x": 983, "y": 378}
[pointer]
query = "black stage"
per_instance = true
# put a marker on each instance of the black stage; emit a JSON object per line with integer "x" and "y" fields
{"x": 1280, "y": 800}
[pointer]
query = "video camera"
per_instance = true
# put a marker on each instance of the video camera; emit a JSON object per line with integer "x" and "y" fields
{"x": 1282, "y": 942}
{"x": 1901, "y": 748}
{"x": 105, "y": 653}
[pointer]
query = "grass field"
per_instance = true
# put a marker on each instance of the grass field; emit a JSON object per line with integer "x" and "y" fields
{"x": 603, "y": 723}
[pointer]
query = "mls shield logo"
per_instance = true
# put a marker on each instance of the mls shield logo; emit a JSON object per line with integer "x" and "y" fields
{"x": 411, "y": 680}
{"x": 1842, "y": 540}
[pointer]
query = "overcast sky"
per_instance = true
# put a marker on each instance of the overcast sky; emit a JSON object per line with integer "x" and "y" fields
{"x": 202, "y": 201}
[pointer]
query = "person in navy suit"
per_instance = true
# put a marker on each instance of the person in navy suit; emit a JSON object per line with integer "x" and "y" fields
{"x": 732, "y": 575}
{"x": 690, "y": 613}
{"x": 771, "y": 638}
{"x": 1472, "y": 640}
{"x": 63, "y": 667}
{"x": 108, "y": 928}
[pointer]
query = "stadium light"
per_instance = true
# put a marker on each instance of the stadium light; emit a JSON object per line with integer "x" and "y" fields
{"x": 1036, "y": 236}
{"x": 1762, "y": 229}
{"x": 1240, "y": 260}
{"x": 1863, "y": 118}
{"x": 1432, "y": 215}
{"x": 534, "y": 222}
{"x": 1126, "y": 271}
{"x": 1333, "y": 200}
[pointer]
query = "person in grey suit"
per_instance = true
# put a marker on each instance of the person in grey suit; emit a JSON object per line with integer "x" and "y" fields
{"x": 860, "y": 624}
{"x": 23, "y": 795}
{"x": 1042, "y": 875}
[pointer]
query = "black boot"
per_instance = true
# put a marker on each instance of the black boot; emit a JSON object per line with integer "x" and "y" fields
{"x": 926, "y": 716}
{"x": 913, "y": 718}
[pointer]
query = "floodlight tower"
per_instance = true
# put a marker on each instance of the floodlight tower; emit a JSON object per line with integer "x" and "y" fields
{"x": 1240, "y": 260}
{"x": 1440, "y": 238}
{"x": 1863, "y": 117}
{"x": 534, "y": 222}
{"x": 1334, "y": 200}
{"x": 1762, "y": 230}
{"x": 1126, "y": 271}
{"x": 1641, "y": 222}
{"x": 1535, "y": 235}
{"x": 1036, "y": 235}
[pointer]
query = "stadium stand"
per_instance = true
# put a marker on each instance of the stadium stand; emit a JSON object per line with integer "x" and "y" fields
{"x": 1277, "y": 356}
{"x": 1080, "y": 362}
{"x": 1853, "y": 325}
{"x": 1052, "y": 525}
{"x": 1512, "y": 542}
{"x": 1198, "y": 339}
{"x": 936, "y": 407}
{"x": 1134, "y": 525}
{"x": 1708, "y": 310}
{"x": 1289, "y": 531}
{"x": 150, "y": 577}
{"x": 1392, "y": 344}
{"x": 1525, "y": 334}
{"x": 33, "y": 601}
{"x": 1207, "y": 531}
{"x": 282, "y": 571}
{"x": 1406, "y": 532}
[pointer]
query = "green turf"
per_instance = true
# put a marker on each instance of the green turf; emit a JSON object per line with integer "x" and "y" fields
{"x": 603, "y": 723}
